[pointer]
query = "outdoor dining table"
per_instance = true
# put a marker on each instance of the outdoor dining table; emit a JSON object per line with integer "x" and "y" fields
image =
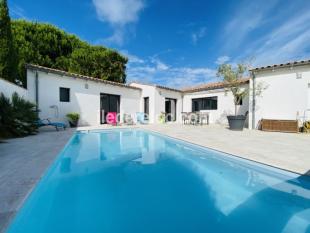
{"x": 196, "y": 118}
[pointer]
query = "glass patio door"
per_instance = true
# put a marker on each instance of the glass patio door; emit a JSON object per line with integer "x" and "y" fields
{"x": 108, "y": 103}
{"x": 170, "y": 109}
{"x": 146, "y": 108}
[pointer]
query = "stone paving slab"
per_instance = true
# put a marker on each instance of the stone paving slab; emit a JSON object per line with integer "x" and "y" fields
{"x": 23, "y": 161}
{"x": 288, "y": 151}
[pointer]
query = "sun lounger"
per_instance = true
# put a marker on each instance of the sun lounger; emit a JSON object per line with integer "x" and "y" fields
{"x": 47, "y": 122}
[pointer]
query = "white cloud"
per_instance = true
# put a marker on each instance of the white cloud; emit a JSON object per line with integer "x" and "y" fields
{"x": 288, "y": 41}
{"x": 196, "y": 36}
{"x": 118, "y": 13}
{"x": 156, "y": 71}
{"x": 266, "y": 36}
{"x": 159, "y": 64}
{"x": 116, "y": 38}
{"x": 222, "y": 60}
{"x": 248, "y": 17}
{"x": 132, "y": 58}
{"x": 17, "y": 12}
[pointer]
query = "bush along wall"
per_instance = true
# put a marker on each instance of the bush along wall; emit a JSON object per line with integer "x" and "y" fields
{"x": 18, "y": 117}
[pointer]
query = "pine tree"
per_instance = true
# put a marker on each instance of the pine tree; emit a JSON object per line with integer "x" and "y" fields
{"x": 8, "y": 58}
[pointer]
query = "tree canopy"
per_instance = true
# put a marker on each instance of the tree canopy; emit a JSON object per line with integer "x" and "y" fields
{"x": 8, "y": 59}
{"x": 46, "y": 45}
{"x": 232, "y": 78}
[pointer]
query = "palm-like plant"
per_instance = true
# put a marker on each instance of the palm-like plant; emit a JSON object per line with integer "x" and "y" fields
{"x": 18, "y": 117}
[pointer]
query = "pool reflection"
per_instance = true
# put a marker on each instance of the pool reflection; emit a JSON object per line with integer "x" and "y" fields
{"x": 133, "y": 181}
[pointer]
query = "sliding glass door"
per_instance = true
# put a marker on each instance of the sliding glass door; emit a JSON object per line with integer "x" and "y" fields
{"x": 171, "y": 109}
{"x": 146, "y": 108}
{"x": 108, "y": 103}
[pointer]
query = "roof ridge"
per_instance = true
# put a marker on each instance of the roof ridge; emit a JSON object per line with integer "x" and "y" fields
{"x": 156, "y": 85}
{"x": 75, "y": 75}
{"x": 284, "y": 64}
{"x": 212, "y": 85}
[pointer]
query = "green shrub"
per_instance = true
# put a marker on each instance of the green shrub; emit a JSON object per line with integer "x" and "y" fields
{"x": 18, "y": 117}
{"x": 6, "y": 117}
{"x": 306, "y": 127}
{"x": 73, "y": 116}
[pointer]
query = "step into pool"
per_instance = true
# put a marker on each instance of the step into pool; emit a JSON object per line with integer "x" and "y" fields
{"x": 136, "y": 181}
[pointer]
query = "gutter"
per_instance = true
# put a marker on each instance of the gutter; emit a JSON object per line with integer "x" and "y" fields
{"x": 253, "y": 100}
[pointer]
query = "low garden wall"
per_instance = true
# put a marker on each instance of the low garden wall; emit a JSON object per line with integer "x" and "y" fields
{"x": 8, "y": 88}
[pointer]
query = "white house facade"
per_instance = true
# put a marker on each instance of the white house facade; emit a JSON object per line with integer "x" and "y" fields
{"x": 285, "y": 96}
{"x": 286, "y": 93}
{"x": 214, "y": 99}
{"x": 58, "y": 93}
{"x": 156, "y": 100}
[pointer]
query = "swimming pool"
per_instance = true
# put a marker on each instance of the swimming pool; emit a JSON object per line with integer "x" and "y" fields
{"x": 119, "y": 181}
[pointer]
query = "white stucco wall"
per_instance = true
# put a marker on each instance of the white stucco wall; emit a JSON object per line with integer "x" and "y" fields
{"x": 147, "y": 91}
{"x": 286, "y": 96}
{"x": 225, "y": 104}
{"x": 82, "y": 100}
{"x": 161, "y": 95}
{"x": 8, "y": 88}
{"x": 157, "y": 97}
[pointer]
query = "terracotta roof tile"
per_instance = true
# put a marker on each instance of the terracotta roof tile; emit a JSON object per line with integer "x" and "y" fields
{"x": 73, "y": 75}
{"x": 288, "y": 64}
{"x": 211, "y": 86}
{"x": 158, "y": 86}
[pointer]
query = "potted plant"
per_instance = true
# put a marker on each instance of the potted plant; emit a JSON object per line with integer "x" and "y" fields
{"x": 162, "y": 117}
{"x": 232, "y": 78}
{"x": 73, "y": 119}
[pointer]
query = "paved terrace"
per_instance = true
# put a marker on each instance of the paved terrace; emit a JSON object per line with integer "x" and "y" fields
{"x": 22, "y": 163}
{"x": 287, "y": 151}
{"x": 24, "y": 160}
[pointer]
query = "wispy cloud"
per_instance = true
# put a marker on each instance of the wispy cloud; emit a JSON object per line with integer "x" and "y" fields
{"x": 197, "y": 35}
{"x": 267, "y": 36}
{"x": 154, "y": 70}
{"x": 222, "y": 60}
{"x": 249, "y": 16}
{"x": 289, "y": 41}
{"x": 132, "y": 59}
{"x": 17, "y": 11}
{"x": 118, "y": 13}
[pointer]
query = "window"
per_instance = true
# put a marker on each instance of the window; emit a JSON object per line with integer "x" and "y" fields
{"x": 208, "y": 103}
{"x": 64, "y": 94}
{"x": 146, "y": 108}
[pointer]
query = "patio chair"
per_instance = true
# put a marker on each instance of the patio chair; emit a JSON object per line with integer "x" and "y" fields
{"x": 47, "y": 122}
{"x": 204, "y": 117}
{"x": 194, "y": 118}
{"x": 185, "y": 118}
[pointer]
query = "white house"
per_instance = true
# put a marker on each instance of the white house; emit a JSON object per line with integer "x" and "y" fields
{"x": 157, "y": 99}
{"x": 214, "y": 99}
{"x": 57, "y": 93}
{"x": 286, "y": 96}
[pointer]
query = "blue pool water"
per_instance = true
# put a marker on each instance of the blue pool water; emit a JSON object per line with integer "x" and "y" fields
{"x": 134, "y": 181}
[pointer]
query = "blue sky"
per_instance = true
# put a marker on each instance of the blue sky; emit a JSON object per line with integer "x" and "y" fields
{"x": 181, "y": 42}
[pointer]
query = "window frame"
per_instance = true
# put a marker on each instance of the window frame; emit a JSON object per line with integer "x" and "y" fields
{"x": 60, "y": 95}
{"x": 205, "y": 103}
